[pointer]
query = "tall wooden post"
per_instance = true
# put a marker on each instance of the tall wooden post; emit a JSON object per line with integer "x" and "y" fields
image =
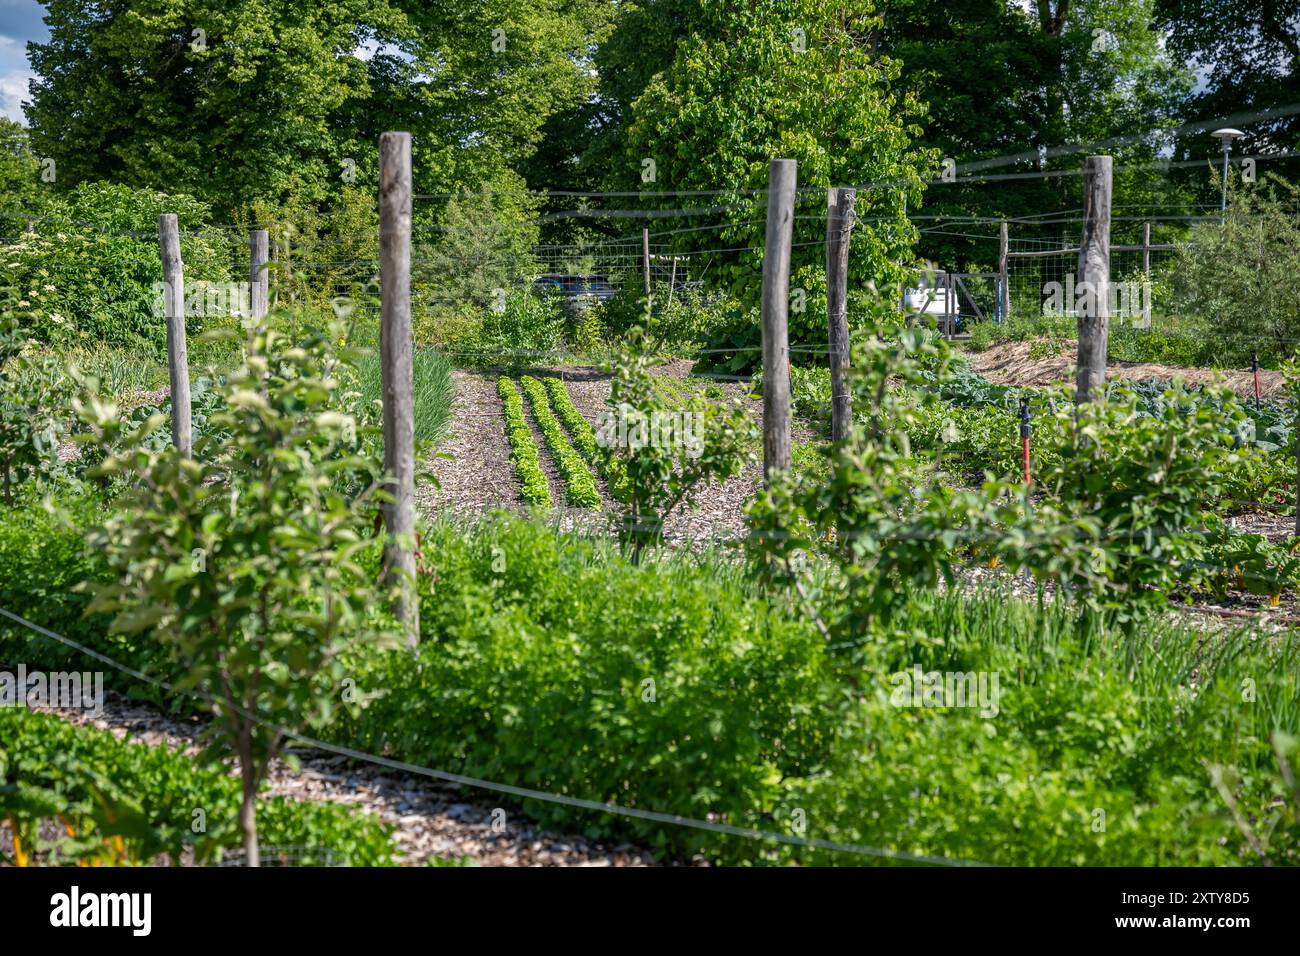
{"x": 259, "y": 253}
{"x": 782, "y": 176}
{"x": 840, "y": 204}
{"x": 1004, "y": 288}
{"x": 1146, "y": 274}
{"x": 178, "y": 368}
{"x": 395, "y": 350}
{"x": 645, "y": 259}
{"x": 1093, "y": 294}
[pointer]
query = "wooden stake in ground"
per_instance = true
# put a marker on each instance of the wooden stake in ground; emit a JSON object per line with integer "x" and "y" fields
{"x": 395, "y": 350}
{"x": 259, "y": 253}
{"x": 1093, "y": 293}
{"x": 1004, "y": 289}
{"x": 1146, "y": 273}
{"x": 645, "y": 260}
{"x": 782, "y": 176}
{"x": 840, "y": 205}
{"x": 178, "y": 368}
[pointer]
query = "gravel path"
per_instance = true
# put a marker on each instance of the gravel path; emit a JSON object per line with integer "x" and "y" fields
{"x": 432, "y": 818}
{"x": 478, "y": 475}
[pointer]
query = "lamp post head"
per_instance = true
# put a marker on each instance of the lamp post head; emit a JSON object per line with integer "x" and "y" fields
{"x": 1226, "y": 135}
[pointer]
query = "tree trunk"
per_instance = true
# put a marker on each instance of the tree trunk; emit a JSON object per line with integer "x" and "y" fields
{"x": 248, "y": 815}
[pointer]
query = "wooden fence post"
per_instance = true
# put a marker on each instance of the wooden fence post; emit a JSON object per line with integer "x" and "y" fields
{"x": 178, "y": 368}
{"x": 782, "y": 175}
{"x": 840, "y": 204}
{"x": 395, "y": 350}
{"x": 1094, "y": 278}
{"x": 645, "y": 259}
{"x": 1146, "y": 275}
{"x": 1004, "y": 288}
{"x": 259, "y": 253}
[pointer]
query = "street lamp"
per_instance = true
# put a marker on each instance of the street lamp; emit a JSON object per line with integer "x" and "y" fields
{"x": 1225, "y": 137}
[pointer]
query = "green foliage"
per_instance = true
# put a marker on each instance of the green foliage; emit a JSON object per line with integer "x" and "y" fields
{"x": 888, "y": 525}
{"x": 534, "y": 488}
{"x": 30, "y": 391}
{"x": 579, "y": 483}
{"x": 86, "y": 282}
{"x": 662, "y": 448}
{"x": 1240, "y": 274}
{"x": 431, "y": 387}
{"x": 533, "y": 668}
{"x": 525, "y": 328}
{"x": 119, "y": 802}
{"x": 699, "y": 120}
{"x": 537, "y": 646}
{"x": 244, "y": 561}
{"x": 43, "y": 558}
{"x": 283, "y": 96}
{"x": 482, "y": 247}
{"x": 1135, "y": 483}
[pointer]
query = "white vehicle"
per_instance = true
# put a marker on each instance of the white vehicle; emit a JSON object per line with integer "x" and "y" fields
{"x": 930, "y": 301}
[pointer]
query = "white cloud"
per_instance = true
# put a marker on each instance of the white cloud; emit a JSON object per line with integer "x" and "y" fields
{"x": 13, "y": 90}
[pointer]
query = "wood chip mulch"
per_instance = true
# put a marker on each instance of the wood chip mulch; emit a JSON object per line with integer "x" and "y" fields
{"x": 432, "y": 819}
{"x": 1012, "y": 364}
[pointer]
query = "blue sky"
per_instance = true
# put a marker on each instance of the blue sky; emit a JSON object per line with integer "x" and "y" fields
{"x": 20, "y": 21}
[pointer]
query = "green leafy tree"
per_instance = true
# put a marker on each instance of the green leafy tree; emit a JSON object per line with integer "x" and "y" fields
{"x": 150, "y": 93}
{"x": 659, "y": 449}
{"x": 19, "y": 178}
{"x": 799, "y": 79}
{"x": 1249, "y": 55}
{"x": 1241, "y": 275}
{"x": 247, "y": 561}
{"x": 1006, "y": 79}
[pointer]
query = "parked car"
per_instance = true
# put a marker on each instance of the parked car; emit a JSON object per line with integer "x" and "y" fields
{"x": 578, "y": 291}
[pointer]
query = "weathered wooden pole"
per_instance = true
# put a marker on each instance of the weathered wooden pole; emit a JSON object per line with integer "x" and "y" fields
{"x": 178, "y": 368}
{"x": 840, "y": 205}
{"x": 395, "y": 350}
{"x": 259, "y": 254}
{"x": 1004, "y": 289}
{"x": 645, "y": 259}
{"x": 1146, "y": 274}
{"x": 782, "y": 176}
{"x": 1093, "y": 294}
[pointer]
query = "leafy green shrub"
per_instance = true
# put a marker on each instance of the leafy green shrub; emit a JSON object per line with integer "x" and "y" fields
{"x": 524, "y": 329}
{"x": 579, "y": 484}
{"x": 663, "y": 448}
{"x": 1240, "y": 274}
{"x": 537, "y": 646}
{"x": 550, "y": 661}
{"x": 30, "y": 390}
{"x": 43, "y": 558}
{"x": 243, "y": 562}
{"x": 123, "y": 802}
{"x": 534, "y": 488}
{"x": 91, "y": 268}
{"x": 1135, "y": 482}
